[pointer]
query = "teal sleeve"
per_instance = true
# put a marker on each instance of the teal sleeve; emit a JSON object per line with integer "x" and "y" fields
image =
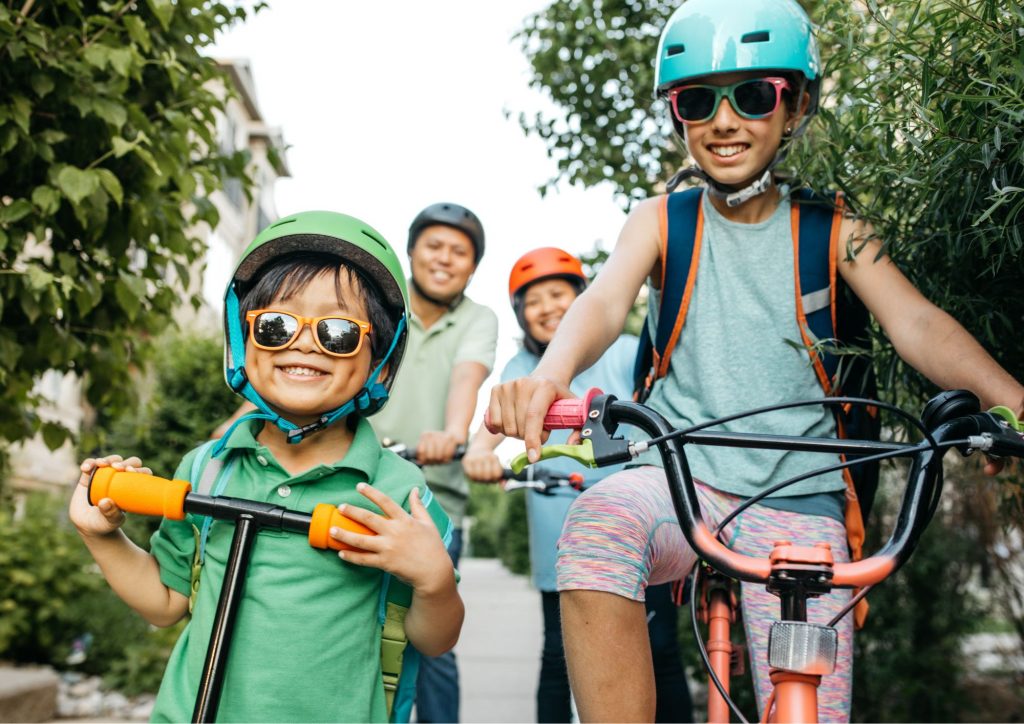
{"x": 174, "y": 544}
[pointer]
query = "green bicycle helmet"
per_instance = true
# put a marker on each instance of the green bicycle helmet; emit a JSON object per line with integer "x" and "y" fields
{"x": 706, "y": 37}
{"x": 356, "y": 244}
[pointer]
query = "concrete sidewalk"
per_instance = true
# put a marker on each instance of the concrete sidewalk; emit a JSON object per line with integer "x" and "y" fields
{"x": 499, "y": 650}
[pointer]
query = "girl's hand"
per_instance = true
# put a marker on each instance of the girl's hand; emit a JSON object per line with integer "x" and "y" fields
{"x": 436, "y": 447}
{"x": 407, "y": 545}
{"x": 106, "y": 517}
{"x": 518, "y": 407}
{"x": 482, "y": 467}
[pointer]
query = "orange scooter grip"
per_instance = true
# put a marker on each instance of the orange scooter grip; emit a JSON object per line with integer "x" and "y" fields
{"x": 139, "y": 492}
{"x": 327, "y": 516}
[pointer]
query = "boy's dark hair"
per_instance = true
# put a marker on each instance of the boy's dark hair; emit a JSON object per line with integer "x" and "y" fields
{"x": 284, "y": 276}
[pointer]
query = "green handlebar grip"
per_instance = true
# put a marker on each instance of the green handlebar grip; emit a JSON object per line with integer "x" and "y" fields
{"x": 1007, "y": 414}
{"x": 582, "y": 453}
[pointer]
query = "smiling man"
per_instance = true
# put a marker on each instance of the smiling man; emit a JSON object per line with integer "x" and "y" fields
{"x": 450, "y": 352}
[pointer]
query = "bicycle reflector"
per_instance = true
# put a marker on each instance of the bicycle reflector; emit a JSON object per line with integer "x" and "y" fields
{"x": 802, "y": 648}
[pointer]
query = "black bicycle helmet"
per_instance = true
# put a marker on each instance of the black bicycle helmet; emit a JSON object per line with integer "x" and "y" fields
{"x": 458, "y": 217}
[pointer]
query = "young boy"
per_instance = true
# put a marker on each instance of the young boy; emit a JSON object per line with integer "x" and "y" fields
{"x": 315, "y": 319}
{"x": 740, "y": 80}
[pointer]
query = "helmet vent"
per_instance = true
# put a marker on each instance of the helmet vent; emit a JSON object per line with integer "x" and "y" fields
{"x": 377, "y": 239}
{"x": 674, "y": 50}
{"x": 760, "y": 36}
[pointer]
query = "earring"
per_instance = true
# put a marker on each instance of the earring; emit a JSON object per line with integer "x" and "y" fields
{"x": 789, "y": 129}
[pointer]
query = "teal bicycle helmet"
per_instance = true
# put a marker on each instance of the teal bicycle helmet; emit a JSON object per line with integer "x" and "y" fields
{"x": 357, "y": 245}
{"x": 706, "y": 37}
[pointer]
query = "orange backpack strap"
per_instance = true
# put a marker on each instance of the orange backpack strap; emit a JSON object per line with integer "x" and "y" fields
{"x": 682, "y": 224}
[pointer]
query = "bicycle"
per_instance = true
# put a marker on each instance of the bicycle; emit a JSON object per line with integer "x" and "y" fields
{"x": 799, "y": 653}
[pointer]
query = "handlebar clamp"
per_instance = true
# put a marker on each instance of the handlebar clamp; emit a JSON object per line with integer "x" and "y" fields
{"x": 608, "y": 448}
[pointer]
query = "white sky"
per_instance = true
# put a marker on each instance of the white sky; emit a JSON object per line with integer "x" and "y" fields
{"x": 390, "y": 106}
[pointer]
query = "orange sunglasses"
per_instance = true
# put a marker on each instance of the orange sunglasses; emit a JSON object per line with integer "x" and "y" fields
{"x": 336, "y": 336}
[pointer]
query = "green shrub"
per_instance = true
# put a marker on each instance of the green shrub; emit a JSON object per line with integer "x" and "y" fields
{"x": 513, "y": 540}
{"x": 499, "y": 526}
{"x": 51, "y": 593}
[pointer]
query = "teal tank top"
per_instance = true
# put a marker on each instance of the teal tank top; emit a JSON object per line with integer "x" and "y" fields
{"x": 739, "y": 349}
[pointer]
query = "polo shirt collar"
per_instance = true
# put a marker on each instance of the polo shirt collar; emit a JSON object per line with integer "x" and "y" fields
{"x": 363, "y": 454}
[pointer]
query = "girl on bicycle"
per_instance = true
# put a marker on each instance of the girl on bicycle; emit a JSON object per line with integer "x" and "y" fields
{"x": 543, "y": 284}
{"x": 740, "y": 81}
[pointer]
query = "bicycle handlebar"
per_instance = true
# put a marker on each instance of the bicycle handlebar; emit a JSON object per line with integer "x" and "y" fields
{"x": 541, "y": 480}
{"x": 987, "y": 432}
{"x": 151, "y": 495}
{"x": 409, "y": 453}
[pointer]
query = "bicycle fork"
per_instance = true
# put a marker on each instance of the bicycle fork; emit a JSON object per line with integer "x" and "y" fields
{"x": 718, "y": 611}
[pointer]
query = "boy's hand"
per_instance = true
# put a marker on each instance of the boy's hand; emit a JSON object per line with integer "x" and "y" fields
{"x": 482, "y": 467}
{"x": 407, "y": 545}
{"x": 518, "y": 407}
{"x": 106, "y": 517}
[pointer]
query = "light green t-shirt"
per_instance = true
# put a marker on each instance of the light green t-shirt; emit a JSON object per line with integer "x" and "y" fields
{"x": 735, "y": 353}
{"x": 306, "y": 644}
{"x": 468, "y": 333}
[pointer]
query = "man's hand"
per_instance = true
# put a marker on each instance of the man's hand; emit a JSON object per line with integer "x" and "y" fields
{"x": 436, "y": 447}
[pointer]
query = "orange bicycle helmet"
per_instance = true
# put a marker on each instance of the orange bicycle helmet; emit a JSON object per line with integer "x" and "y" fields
{"x": 548, "y": 261}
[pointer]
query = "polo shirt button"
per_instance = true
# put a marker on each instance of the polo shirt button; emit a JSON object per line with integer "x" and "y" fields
{"x": 284, "y": 491}
{"x": 261, "y": 460}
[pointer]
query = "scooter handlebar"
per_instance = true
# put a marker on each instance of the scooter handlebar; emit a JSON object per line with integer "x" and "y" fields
{"x": 140, "y": 492}
{"x": 150, "y": 495}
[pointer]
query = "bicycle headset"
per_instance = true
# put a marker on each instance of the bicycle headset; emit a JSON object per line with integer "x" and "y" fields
{"x": 709, "y": 37}
{"x": 547, "y": 262}
{"x": 357, "y": 245}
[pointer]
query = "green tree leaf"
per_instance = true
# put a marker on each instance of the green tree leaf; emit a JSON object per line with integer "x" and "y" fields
{"x": 164, "y": 11}
{"x": 76, "y": 183}
{"x": 15, "y": 211}
{"x": 47, "y": 199}
{"x": 111, "y": 185}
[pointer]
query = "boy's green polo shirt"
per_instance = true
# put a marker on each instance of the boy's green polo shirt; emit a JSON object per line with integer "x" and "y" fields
{"x": 306, "y": 643}
{"x": 419, "y": 397}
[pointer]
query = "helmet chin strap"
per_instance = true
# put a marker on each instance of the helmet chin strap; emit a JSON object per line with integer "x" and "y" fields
{"x": 730, "y": 194}
{"x": 372, "y": 394}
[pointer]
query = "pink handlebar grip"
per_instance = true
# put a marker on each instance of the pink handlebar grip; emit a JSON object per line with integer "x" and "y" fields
{"x": 567, "y": 414}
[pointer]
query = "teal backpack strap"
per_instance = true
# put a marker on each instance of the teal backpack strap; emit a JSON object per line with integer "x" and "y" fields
{"x": 206, "y": 477}
{"x": 683, "y": 226}
{"x": 399, "y": 662}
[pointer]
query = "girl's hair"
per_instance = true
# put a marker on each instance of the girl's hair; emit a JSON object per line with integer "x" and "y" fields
{"x": 283, "y": 277}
